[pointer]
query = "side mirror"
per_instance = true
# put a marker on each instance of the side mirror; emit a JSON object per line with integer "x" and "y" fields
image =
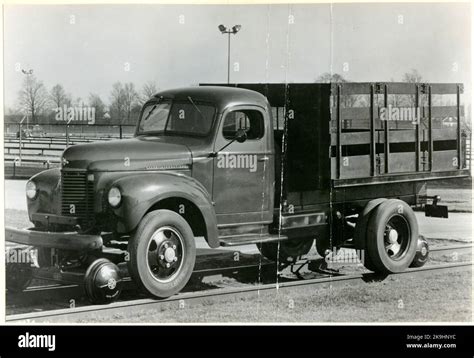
{"x": 241, "y": 135}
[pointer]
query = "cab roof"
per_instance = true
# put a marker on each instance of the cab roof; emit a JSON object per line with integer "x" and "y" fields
{"x": 221, "y": 97}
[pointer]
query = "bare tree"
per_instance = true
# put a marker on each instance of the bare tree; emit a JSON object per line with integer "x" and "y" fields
{"x": 117, "y": 101}
{"x": 123, "y": 99}
{"x": 59, "y": 97}
{"x": 96, "y": 102}
{"x": 414, "y": 77}
{"x": 346, "y": 101}
{"x": 327, "y": 77}
{"x": 130, "y": 99}
{"x": 149, "y": 90}
{"x": 33, "y": 97}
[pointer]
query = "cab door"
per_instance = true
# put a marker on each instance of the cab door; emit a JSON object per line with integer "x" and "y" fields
{"x": 243, "y": 172}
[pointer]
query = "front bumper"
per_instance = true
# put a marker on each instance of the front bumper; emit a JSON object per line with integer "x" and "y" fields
{"x": 58, "y": 240}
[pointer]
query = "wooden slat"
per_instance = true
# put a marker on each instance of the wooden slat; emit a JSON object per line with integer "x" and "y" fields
{"x": 402, "y": 162}
{"x": 353, "y": 113}
{"x": 363, "y": 113}
{"x": 352, "y": 138}
{"x": 444, "y": 111}
{"x": 357, "y": 166}
{"x": 445, "y": 133}
{"x": 444, "y": 88}
{"x": 401, "y": 136}
{"x": 444, "y": 160}
{"x": 352, "y": 88}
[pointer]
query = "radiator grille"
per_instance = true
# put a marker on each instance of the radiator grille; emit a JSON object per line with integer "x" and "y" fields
{"x": 77, "y": 195}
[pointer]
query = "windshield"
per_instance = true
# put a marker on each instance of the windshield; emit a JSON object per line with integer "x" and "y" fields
{"x": 176, "y": 117}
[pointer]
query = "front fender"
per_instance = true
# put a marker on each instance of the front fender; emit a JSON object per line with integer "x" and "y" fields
{"x": 49, "y": 194}
{"x": 140, "y": 192}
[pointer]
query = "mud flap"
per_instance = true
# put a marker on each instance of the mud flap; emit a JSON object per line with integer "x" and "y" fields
{"x": 436, "y": 211}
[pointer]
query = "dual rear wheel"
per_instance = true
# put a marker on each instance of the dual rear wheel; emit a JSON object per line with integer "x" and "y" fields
{"x": 389, "y": 230}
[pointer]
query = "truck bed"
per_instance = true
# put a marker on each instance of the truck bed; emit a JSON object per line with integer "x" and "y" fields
{"x": 339, "y": 147}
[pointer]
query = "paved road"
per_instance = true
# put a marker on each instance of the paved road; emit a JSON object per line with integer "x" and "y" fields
{"x": 15, "y": 194}
{"x": 457, "y": 227}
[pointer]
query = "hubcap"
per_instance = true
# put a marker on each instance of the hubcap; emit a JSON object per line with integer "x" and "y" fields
{"x": 165, "y": 254}
{"x": 397, "y": 237}
{"x": 170, "y": 254}
{"x": 424, "y": 251}
{"x": 393, "y": 236}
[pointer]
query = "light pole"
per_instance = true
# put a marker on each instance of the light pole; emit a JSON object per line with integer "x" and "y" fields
{"x": 231, "y": 31}
{"x": 27, "y": 73}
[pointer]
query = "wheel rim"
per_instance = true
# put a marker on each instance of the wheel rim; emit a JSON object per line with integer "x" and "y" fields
{"x": 397, "y": 237}
{"x": 165, "y": 254}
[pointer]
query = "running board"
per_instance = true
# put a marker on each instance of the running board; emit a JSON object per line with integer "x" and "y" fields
{"x": 247, "y": 239}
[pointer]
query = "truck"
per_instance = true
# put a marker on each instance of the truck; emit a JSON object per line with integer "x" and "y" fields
{"x": 279, "y": 165}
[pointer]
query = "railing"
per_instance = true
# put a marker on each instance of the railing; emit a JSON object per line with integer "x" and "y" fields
{"x": 63, "y": 130}
{"x": 40, "y": 147}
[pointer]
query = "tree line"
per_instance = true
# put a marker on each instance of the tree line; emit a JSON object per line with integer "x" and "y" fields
{"x": 125, "y": 100}
{"x": 40, "y": 103}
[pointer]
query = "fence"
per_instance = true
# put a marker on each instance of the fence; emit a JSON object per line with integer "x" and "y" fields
{"x": 31, "y": 148}
{"x": 70, "y": 130}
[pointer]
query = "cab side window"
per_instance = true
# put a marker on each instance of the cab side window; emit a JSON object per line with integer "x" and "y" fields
{"x": 249, "y": 120}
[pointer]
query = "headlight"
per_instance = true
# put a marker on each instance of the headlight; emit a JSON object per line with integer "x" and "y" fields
{"x": 31, "y": 190}
{"x": 115, "y": 197}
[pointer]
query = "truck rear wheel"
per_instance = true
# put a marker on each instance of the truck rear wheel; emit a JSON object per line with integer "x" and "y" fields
{"x": 289, "y": 250}
{"x": 360, "y": 232}
{"x": 392, "y": 235}
{"x": 162, "y": 253}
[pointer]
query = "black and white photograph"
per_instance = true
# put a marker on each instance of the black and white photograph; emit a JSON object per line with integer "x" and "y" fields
{"x": 238, "y": 164}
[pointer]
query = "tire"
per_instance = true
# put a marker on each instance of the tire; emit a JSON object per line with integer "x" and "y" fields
{"x": 288, "y": 252}
{"x": 18, "y": 277}
{"x": 392, "y": 236}
{"x": 162, "y": 253}
{"x": 360, "y": 232}
{"x": 422, "y": 253}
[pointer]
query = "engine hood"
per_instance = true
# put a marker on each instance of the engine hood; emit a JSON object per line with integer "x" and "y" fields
{"x": 140, "y": 153}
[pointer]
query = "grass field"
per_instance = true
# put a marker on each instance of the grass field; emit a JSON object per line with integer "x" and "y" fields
{"x": 437, "y": 298}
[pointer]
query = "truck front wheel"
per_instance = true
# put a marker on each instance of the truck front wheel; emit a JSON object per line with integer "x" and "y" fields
{"x": 162, "y": 253}
{"x": 392, "y": 236}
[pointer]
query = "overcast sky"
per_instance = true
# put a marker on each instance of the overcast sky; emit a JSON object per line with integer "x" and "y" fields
{"x": 87, "y": 48}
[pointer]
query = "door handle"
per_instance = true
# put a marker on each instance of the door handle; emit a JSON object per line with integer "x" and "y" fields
{"x": 263, "y": 159}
